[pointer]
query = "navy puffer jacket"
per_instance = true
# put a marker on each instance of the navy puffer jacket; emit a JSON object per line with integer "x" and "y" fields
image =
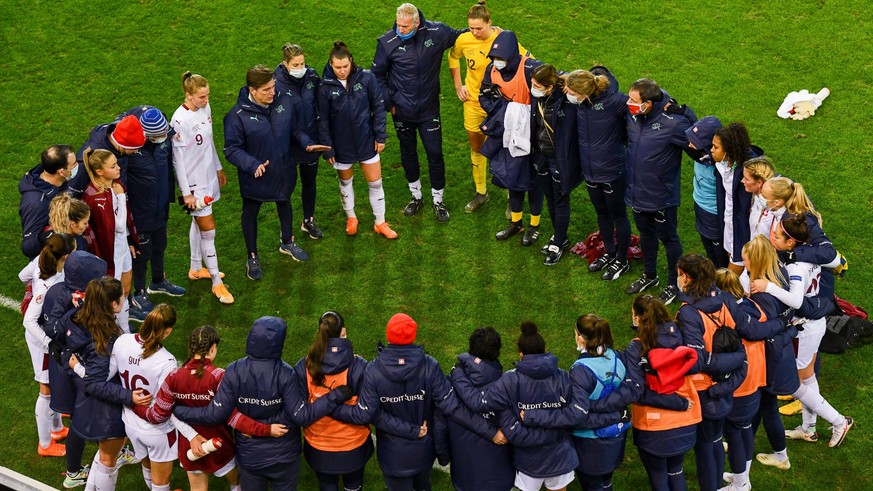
{"x": 350, "y": 120}
{"x": 303, "y": 92}
{"x": 79, "y": 268}
{"x": 602, "y": 131}
{"x": 563, "y": 122}
{"x": 36, "y": 195}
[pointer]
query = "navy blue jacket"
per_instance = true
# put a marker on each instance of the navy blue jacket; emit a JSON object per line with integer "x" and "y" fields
{"x": 98, "y": 399}
{"x": 742, "y": 207}
{"x": 265, "y": 388}
{"x": 79, "y": 268}
{"x": 535, "y": 383}
{"x": 782, "y": 376}
{"x": 817, "y": 250}
{"x": 409, "y": 71}
{"x": 467, "y": 449}
{"x": 514, "y": 173}
{"x": 566, "y": 145}
{"x": 254, "y": 134}
{"x": 339, "y": 356}
{"x": 717, "y": 400}
{"x": 655, "y": 143}
{"x": 351, "y": 120}
{"x": 36, "y": 195}
{"x": 150, "y": 181}
{"x": 303, "y": 92}
{"x": 602, "y": 131}
{"x": 98, "y": 138}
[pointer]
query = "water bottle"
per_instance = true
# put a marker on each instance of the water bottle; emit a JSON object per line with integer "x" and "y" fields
{"x": 199, "y": 205}
{"x": 209, "y": 446}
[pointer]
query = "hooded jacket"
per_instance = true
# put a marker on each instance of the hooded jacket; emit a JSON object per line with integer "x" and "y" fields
{"x": 350, "y": 120}
{"x": 99, "y": 138}
{"x": 563, "y": 122}
{"x": 655, "y": 142}
{"x": 36, "y": 195}
{"x": 409, "y": 71}
{"x": 150, "y": 181}
{"x": 265, "y": 388}
{"x": 602, "y": 132}
{"x": 709, "y": 222}
{"x": 303, "y": 93}
{"x": 79, "y": 268}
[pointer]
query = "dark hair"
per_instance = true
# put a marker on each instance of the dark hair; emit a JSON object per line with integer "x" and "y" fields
{"x": 161, "y": 318}
{"x": 199, "y": 343}
{"x": 56, "y": 247}
{"x": 55, "y": 158}
{"x": 735, "y": 142}
{"x": 596, "y": 332}
{"x": 258, "y": 76}
{"x": 485, "y": 343}
{"x": 329, "y": 326}
{"x": 479, "y": 11}
{"x": 97, "y": 314}
{"x": 546, "y": 74}
{"x": 340, "y": 51}
{"x": 652, "y": 314}
{"x": 795, "y": 227}
{"x": 649, "y": 90}
{"x": 700, "y": 272}
{"x": 530, "y": 342}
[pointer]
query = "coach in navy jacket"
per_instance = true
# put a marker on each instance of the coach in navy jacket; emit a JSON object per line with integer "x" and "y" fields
{"x": 265, "y": 388}
{"x": 37, "y": 188}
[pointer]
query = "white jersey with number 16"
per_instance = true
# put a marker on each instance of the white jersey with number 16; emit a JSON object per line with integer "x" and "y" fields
{"x": 137, "y": 372}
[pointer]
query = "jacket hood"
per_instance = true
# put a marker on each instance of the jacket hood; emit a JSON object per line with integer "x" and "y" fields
{"x": 710, "y": 303}
{"x": 613, "y": 82}
{"x": 77, "y": 336}
{"x": 401, "y": 363}
{"x": 540, "y": 366}
{"x": 338, "y": 356}
{"x": 480, "y": 372}
{"x": 505, "y": 47}
{"x": 82, "y": 267}
{"x": 266, "y": 338}
{"x": 33, "y": 183}
{"x": 669, "y": 336}
{"x": 702, "y": 132}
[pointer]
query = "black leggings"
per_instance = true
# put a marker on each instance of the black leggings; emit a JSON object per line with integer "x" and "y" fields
{"x": 152, "y": 246}
{"x": 559, "y": 206}
{"x": 418, "y": 482}
{"x": 308, "y": 172}
{"x": 534, "y": 201}
{"x": 595, "y": 483}
{"x": 250, "y": 211}
{"x": 352, "y": 481}
{"x": 665, "y": 473}
{"x": 608, "y": 201}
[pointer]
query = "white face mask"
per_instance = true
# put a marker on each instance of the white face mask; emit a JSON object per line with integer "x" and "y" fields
{"x": 760, "y": 201}
{"x": 536, "y": 92}
{"x": 158, "y": 140}
{"x": 73, "y": 172}
{"x": 572, "y": 99}
{"x": 500, "y": 64}
{"x": 297, "y": 72}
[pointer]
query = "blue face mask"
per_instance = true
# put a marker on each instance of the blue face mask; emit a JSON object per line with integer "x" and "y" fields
{"x": 405, "y": 37}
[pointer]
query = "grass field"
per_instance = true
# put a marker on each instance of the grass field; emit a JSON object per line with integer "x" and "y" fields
{"x": 68, "y": 66}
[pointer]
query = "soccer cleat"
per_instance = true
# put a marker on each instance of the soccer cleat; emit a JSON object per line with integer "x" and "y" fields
{"x": 413, "y": 206}
{"x": 440, "y": 211}
{"x": 384, "y": 230}
{"x": 222, "y": 293}
{"x": 615, "y": 269}
{"x": 514, "y": 228}
{"x": 253, "y": 267}
{"x": 641, "y": 284}
{"x": 476, "y": 202}
{"x": 600, "y": 263}
{"x": 201, "y": 274}
{"x": 545, "y": 249}
{"x": 771, "y": 460}
{"x": 351, "y": 226}
{"x": 141, "y": 301}
{"x": 311, "y": 228}
{"x": 79, "y": 478}
{"x": 60, "y": 434}
{"x": 791, "y": 408}
{"x": 840, "y": 432}
{"x": 125, "y": 457}
{"x": 668, "y": 294}
{"x": 530, "y": 235}
{"x": 800, "y": 434}
{"x": 554, "y": 255}
{"x": 732, "y": 487}
{"x": 293, "y": 249}
{"x": 54, "y": 449}
{"x": 164, "y": 287}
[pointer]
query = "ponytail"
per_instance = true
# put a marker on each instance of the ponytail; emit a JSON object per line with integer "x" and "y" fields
{"x": 152, "y": 331}
{"x": 652, "y": 313}
{"x": 794, "y": 196}
{"x": 700, "y": 272}
{"x": 597, "y": 334}
{"x": 479, "y": 11}
{"x": 64, "y": 210}
{"x": 56, "y": 247}
{"x": 199, "y": 343}
{"x": 329, "y": 326}
{"x": 191, "y": 82}
{"x": 95, "y": 160}
{"x": 97, "y": 314}
{"x": 728, "y": 282}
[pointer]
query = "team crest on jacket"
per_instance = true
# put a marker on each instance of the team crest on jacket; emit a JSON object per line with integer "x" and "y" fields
{"x": 598, "y": 106}
{"x": 401, "y": 361}
{"x": 334, "y": 349}
{"x": 656, "y": 126}
{"x": 428, "y": 43}
{"x": 357, "y": 87}
{"x": 280, "y": 109}
{"x": 310, "y": 85}
{"x": 477, "y": 360}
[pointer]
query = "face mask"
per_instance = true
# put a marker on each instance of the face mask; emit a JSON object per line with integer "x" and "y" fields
{"x": 406, "y": 37}
{"x": 572, "y": 99}
{"x": 297, "y": 72}
{"x": 500, "y": 64}
{"x": 581, "y": 349}
{"x": 634, "y": 108}
{"x": 536, "y": 92}
{"x": 761, "y": 201}
{"x": 158, "y": 140}
{"x": 73, "y": 172}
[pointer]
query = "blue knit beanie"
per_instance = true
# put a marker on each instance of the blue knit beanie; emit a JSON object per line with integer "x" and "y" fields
{"x": 154, "y": 123}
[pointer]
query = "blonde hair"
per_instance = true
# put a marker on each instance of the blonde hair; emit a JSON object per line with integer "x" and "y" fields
{"x": 290, "y": 50}
{"x": 479, "y": 11}
{"x": 64, "y": 210}
{"x": 586, "y": 83}
{"x": 791, "y": 193}
{"x": 95, "y": 160}
{"x": 760, "y": 168}
{"x": 763, "y": 263}
{"x": 728, "y": 282}
{"x": 192, "y": 82}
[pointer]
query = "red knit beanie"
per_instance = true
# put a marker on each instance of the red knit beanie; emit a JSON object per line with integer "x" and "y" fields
{"x": 128, "y": 133}
{"x": 401, "y": 329}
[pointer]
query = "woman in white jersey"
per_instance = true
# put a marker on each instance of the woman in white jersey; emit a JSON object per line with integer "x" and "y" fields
{"x": 199, "y": 174}
{"x": 756, "y": 172}
{"x": 804, "y": 280}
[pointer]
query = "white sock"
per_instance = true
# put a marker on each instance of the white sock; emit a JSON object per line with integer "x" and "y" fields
{"x": 377, "y": 199}
{"x": 123, "y": 318}
{"x": 812, "y": 399}
{"x": 194, "y": 240}
{"x": 147, "y": 477}
{"x": 162, "y": 487}
{"x": 415, "y": 189}
{"x": 101, "y": 478}
{"x": 57, "y": 421}
{"x": 437, "y": 195}
{"x": 235, "y": 487}
{"x": 210, "y": 257}
{"x": 44, "y": 420}
{"x": 347, "y": 196}
{"x": 89, "y": 484}
{"x": 781, "y": 455}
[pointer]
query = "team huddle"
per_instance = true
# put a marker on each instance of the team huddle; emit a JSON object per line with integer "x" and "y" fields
{"x": 747, "y": 332}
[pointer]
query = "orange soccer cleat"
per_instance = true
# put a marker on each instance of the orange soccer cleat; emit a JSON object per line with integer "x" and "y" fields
{"x": 351, "y": 226}
{"x": 384, "y": 230}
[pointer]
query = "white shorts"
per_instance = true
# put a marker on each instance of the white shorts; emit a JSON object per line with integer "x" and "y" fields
{"x": 39, "y": 358}
{"x": 808, "y": 341}
{"x": 528, "y": 483}
{"x": 225, "y": 469}
{"x": 203, "y": 212}
{"x": 156, "y": 447}
{"x": 123, "y": 261}
{"x": 341, "y": 166}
